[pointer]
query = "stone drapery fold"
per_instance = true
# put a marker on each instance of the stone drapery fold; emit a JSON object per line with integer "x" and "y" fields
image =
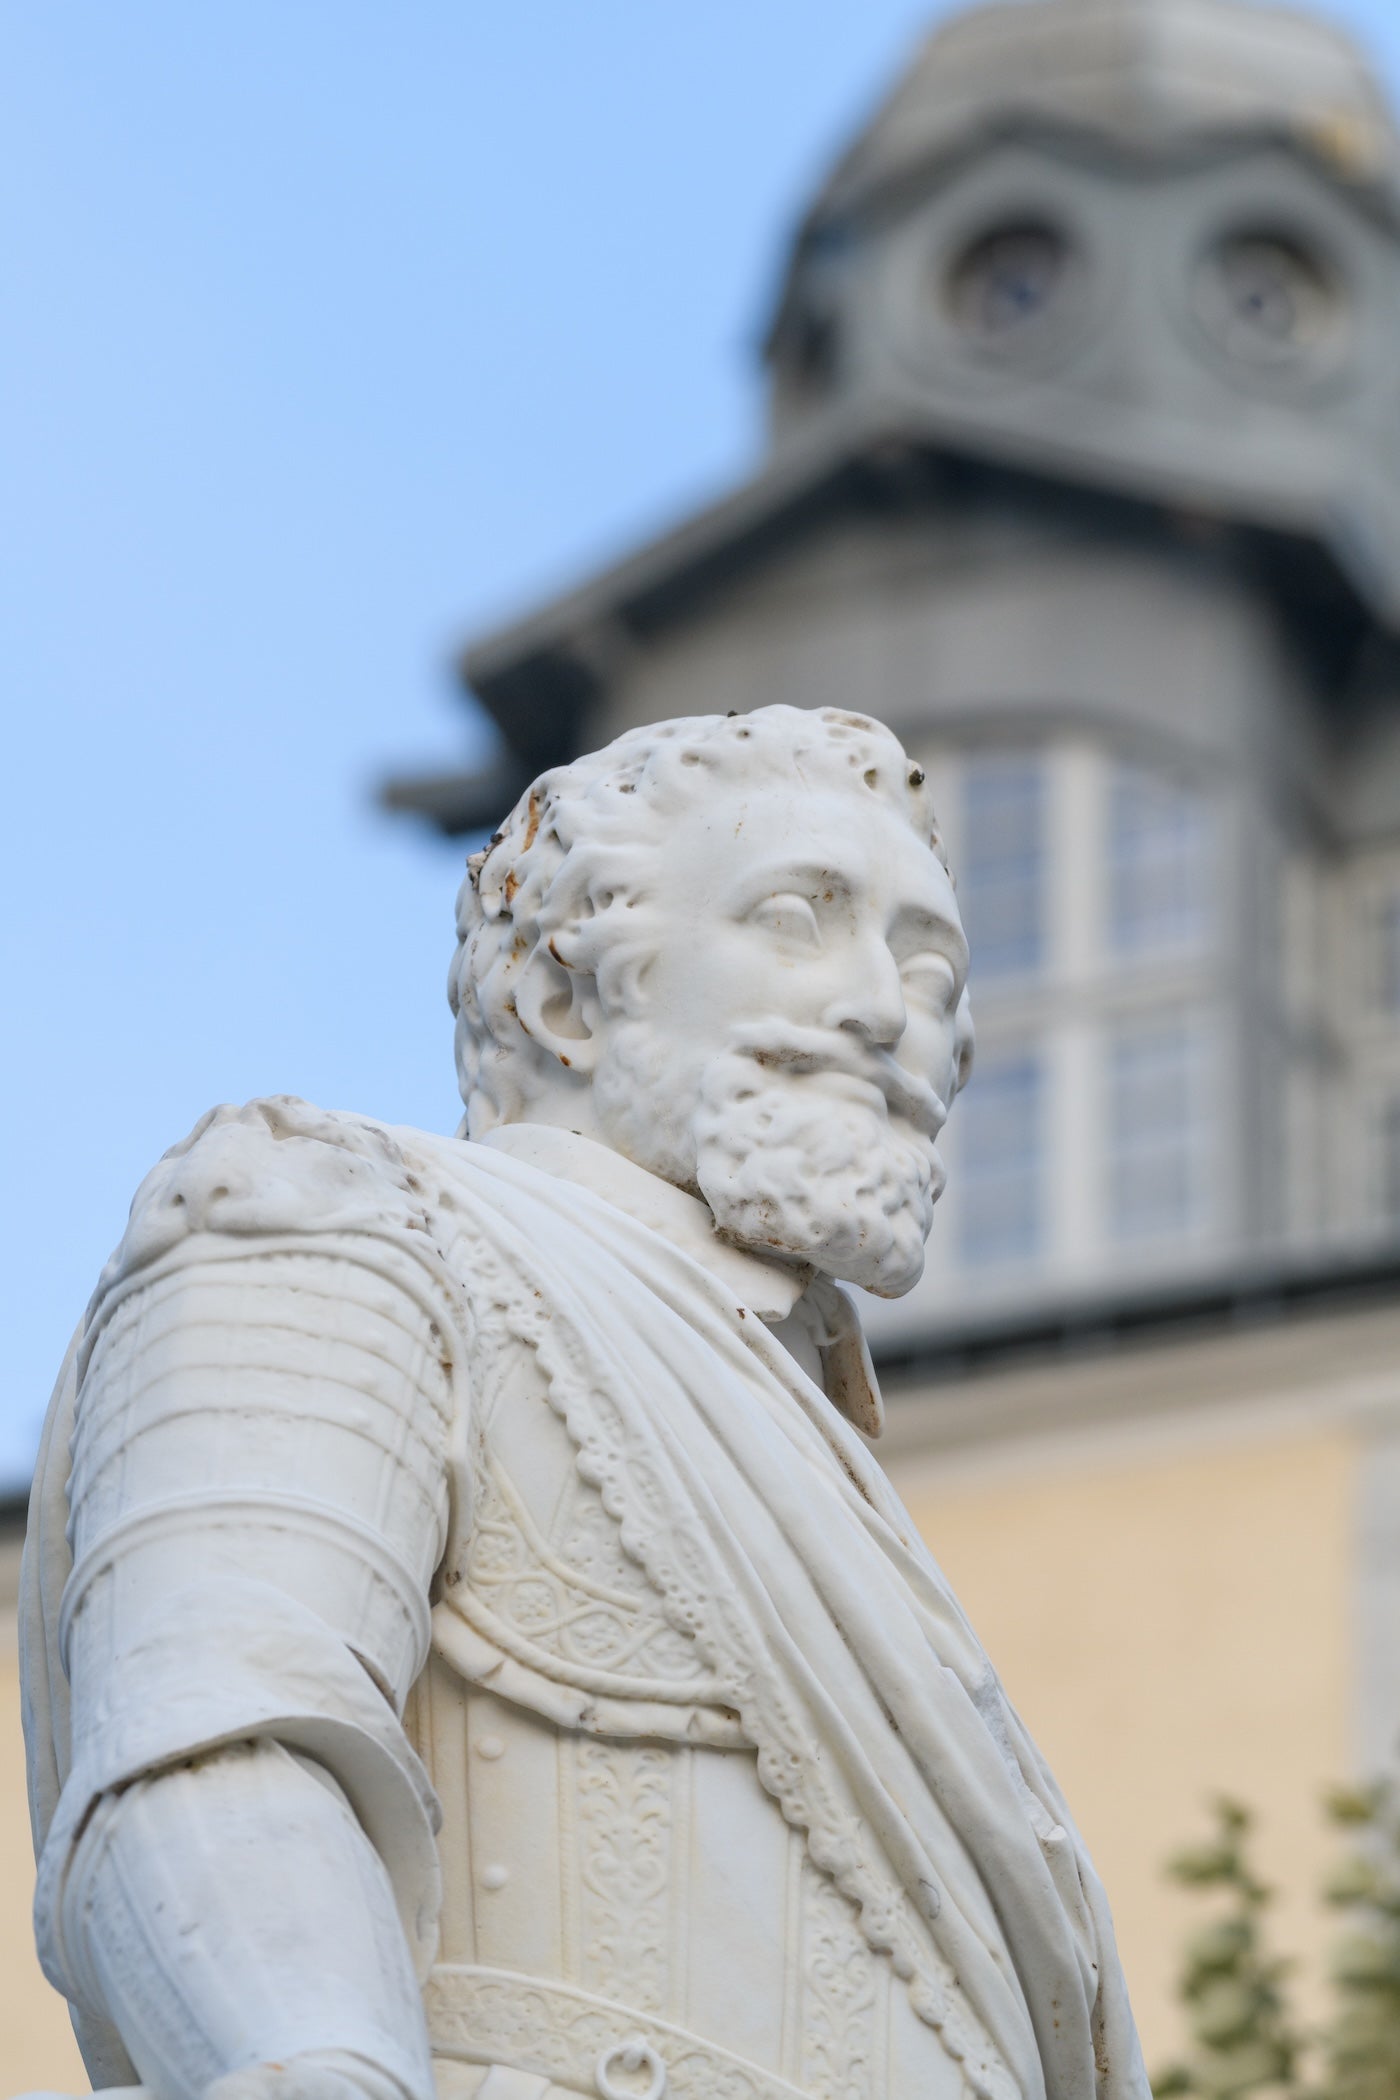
{"x": 776, "y": 1541}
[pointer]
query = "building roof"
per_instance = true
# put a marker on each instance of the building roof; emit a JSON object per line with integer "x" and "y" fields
{"x": 537, "y": 675}
{"x": 1145, "y": 75}
{"x": 1141, "y": 75}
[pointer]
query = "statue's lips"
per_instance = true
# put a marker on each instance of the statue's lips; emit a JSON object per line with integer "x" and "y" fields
{"x": 811, "y": 1052}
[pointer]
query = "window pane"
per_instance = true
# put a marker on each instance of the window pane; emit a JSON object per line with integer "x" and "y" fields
{"x": 1388, "y": 1162}
{"x": 1002, "y": 878}
{"x": 1155, "y": 1154}
{"x": 1158, "y": 873}
{"x": 1000, "y": 1149}
{"x": 1386, "y": 952}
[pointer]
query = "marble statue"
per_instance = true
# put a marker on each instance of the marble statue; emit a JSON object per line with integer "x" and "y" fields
{"x": 468, "y": 1643}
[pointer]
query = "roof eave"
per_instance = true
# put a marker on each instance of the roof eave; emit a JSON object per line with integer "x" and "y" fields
{"x": 567, "y": 641}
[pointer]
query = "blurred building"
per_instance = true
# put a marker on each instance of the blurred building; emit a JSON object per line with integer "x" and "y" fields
{"x": 1084, "y": 474}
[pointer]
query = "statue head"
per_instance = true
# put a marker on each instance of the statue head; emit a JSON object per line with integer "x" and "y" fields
{"x": 729, "y": 947}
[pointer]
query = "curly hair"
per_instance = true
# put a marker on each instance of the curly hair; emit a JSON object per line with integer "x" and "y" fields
{"x": 570, "y": 871}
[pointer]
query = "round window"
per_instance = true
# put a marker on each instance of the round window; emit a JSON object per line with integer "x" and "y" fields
{"x": 1265, "y": 298}
{"x": 1007, "y": 281}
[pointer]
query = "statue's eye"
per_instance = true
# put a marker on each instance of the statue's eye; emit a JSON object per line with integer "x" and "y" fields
{"x": 930, "y": 979}
{"x": 790, "y": 917}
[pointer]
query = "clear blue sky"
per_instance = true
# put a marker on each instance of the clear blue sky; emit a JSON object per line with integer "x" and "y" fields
{"x": 332, "y": 330}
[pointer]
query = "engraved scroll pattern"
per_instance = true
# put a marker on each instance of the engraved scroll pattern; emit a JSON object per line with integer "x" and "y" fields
{"x": 838, "y": 1995}
{"x": 625, "y": 1868}
{"x": 579, "y": 1599}
{"x": 488, "y": 2017}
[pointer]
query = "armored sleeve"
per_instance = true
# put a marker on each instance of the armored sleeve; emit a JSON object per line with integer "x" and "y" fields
{"x": 258, "y": 1491}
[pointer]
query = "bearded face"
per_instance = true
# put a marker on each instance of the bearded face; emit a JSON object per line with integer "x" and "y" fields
{"x": 769, "y": 1012}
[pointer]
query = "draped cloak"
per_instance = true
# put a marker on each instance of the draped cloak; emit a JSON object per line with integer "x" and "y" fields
{"x": 775, "y": 1541}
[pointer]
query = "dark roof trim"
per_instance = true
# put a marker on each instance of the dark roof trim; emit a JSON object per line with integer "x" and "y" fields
{"x": 1241, "y": 1299}
{"x": 564, "y": 639}
{"x": 578, "y": 619}
{"x": 458, "y": 804}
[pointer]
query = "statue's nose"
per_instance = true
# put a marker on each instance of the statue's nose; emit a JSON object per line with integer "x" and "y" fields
{"x": 872, "y": 1002}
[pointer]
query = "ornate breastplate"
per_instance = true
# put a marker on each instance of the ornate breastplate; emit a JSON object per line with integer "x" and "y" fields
{"x": 539, "y": 1597}
{"x": 570, "y": 1603}
{"x": 616, "y": 1877}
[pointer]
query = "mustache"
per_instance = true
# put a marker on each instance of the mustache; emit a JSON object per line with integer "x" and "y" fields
{"x": 788, "y": 1048}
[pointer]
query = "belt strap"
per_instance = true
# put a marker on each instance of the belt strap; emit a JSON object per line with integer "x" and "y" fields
{"x": 590, "y": 2044}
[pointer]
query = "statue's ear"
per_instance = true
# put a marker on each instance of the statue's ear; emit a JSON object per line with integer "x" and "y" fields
{"x": 558, "y": 1009}
{"x": 964, "y": 1042}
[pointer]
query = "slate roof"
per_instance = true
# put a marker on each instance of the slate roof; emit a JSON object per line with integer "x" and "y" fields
{"x": 1144, "y": 77}
{"x": 1147, "y": 75}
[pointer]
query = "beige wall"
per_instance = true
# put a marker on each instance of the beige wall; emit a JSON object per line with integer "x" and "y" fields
{"x": 37, "y": 2048}
{"x": 1170, "y": 1625}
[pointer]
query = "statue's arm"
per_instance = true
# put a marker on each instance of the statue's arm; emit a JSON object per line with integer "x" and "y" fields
{"x": 241, "y": 1869}
{"x": 231, "y": 1918}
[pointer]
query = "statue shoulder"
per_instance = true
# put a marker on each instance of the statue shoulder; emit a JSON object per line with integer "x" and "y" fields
{"x": 271, "y": 1168}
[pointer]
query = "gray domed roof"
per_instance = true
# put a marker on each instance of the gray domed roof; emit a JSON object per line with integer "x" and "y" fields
{"x": 1144, "y": 75}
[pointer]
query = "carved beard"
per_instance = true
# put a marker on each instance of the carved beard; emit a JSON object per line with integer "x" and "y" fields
{"x": 804, "y": 1164}
{"x": 808, "y": 1165}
